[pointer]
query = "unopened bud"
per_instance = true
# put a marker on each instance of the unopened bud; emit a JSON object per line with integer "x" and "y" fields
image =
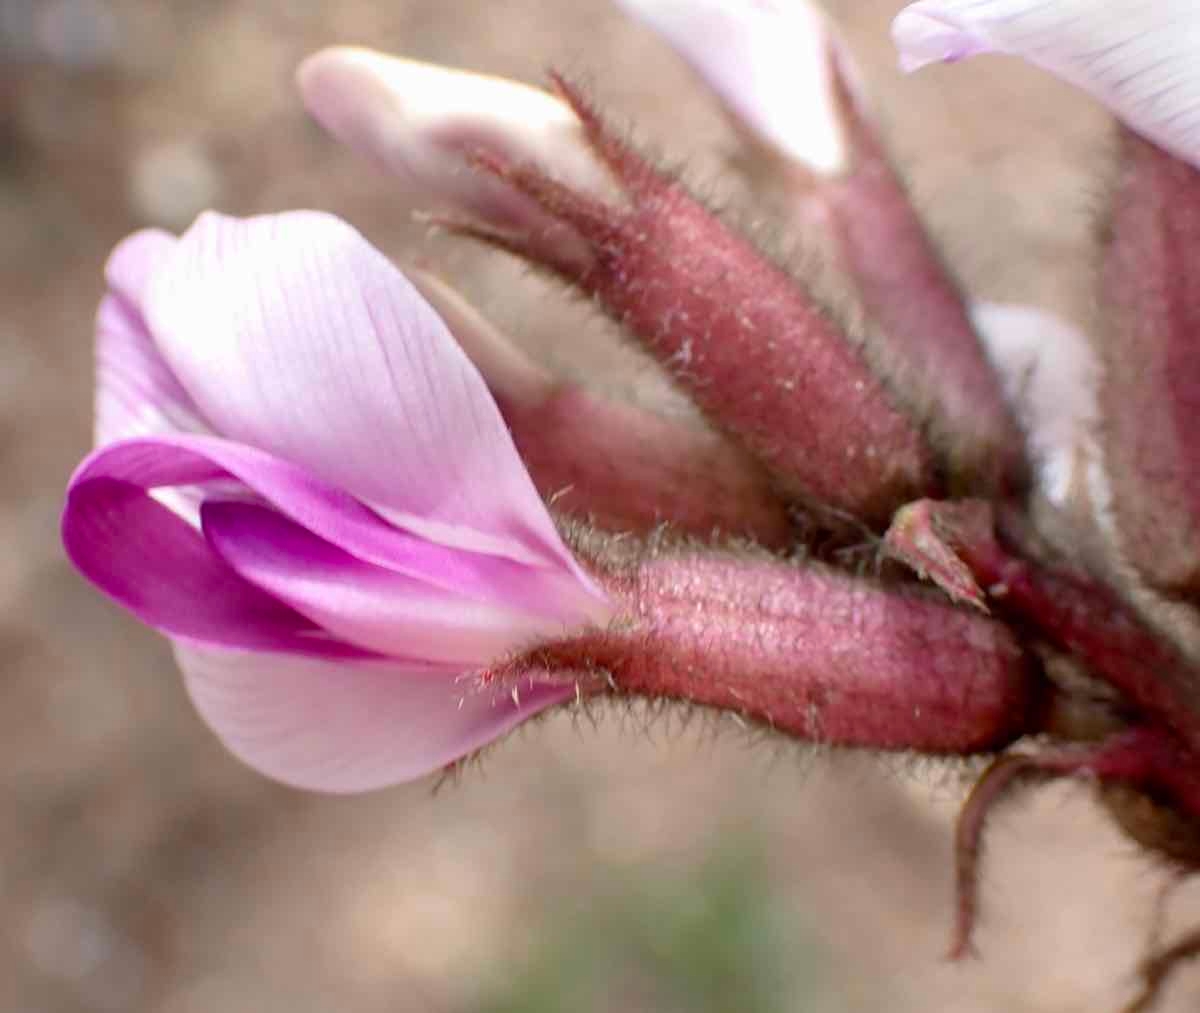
{"x": 791, "y": 87}
{"x": 424, "y": 123}
{"x": 751, "y": 346}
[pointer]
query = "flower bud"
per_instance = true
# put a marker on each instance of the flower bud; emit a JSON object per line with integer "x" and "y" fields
{"x": 791, "y": 87}
{"x": 423, "y": 123}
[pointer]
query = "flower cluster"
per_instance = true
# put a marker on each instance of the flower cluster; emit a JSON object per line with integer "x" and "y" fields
{"x": 326, "y": 482}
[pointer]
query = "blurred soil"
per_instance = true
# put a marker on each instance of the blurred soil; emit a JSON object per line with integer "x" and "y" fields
{"x": 607, "y": 864}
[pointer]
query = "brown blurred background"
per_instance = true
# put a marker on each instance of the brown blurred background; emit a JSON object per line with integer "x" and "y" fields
{"x": 632, "y": 864}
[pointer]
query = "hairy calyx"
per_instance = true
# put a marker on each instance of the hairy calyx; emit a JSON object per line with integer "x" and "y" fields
{"x": 813, "y": 653}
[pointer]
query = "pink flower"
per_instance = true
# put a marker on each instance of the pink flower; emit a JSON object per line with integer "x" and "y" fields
{"x": 302, "y": 481}
{"x": 1137, "y": 57}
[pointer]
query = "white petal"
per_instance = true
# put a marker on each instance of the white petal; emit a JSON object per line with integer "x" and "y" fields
{"x": 769, "y": 61}
{"x": 423, "y": 123}
{"x": 1051, "y": 376}
{"x": 1141, "y": 58}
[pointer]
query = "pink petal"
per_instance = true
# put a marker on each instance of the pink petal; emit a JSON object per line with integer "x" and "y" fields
{"x": 146, "y": 558}
{"x": 136, "y": 392}
{"x": 134, "y": 261}
{"x": 337, "y": 518}
{"x": 295, "y": 336}
{"x": 1137, "y": 57}
{"x": 371, "y": 606}
{"x": 349, "y": 727}
{"x": 768, "y": 61}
